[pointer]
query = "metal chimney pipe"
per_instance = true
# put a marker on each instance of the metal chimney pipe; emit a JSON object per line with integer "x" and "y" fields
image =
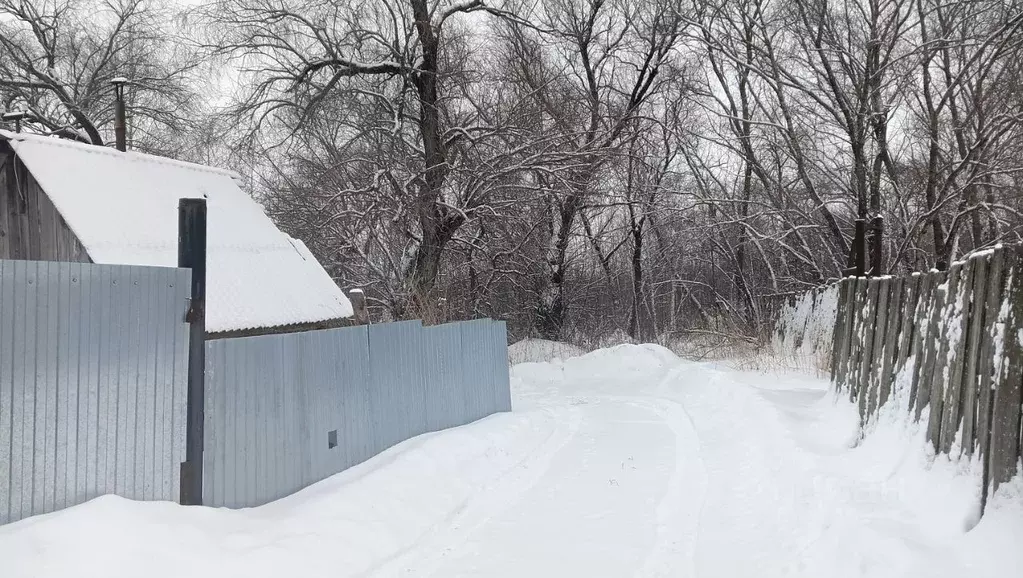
{"x": 16, "y": 117}
{"x": 120, "y": 117}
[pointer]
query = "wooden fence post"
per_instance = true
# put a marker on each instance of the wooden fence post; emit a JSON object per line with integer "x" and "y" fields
{"x": 867, "y": 354}
{"x": 934, "y": 303}
{"x": 192, "y": 255}
{"x": 1005, "y": 414}
{"x": 890, "y": 353}
{"x": 907, "y": 327}
{"x": 957, "y": 334}
{"x": 852, "y": 371}
{"x": 877, "y": 348}
{"x": 986, "y": 369}
{"x": 358, "y": 300}
{"x": 973, "y": 351}
{"x": 837, "y": 339}
{"x": 848, "y": 321}
{"x": 939, "y": 363}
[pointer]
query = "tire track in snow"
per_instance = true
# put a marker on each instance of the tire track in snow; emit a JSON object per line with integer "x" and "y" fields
{"x": 425, "y": 556}
{"x": 680, "y": 510}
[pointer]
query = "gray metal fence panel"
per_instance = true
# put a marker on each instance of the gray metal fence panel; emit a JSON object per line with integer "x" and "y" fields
{"x": 398, "y": 395}
{"x": 479, "y": 367}
{"x": 356, "y": 433}
{"x": 92, "y": 383}
{"x": 285, "y": 411}
{"x": 446, "y": 387}
{"x": 498, "y": 365}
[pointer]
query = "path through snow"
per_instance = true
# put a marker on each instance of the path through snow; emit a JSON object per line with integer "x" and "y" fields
{"x": 623, "y": 462}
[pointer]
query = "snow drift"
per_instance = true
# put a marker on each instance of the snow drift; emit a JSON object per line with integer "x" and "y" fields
{"x": 621, "y": 462}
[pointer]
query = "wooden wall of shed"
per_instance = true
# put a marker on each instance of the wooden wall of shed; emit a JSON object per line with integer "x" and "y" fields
{"x": 30, "y": 226}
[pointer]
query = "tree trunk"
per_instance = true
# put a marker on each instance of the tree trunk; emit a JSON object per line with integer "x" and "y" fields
{"x": 551, "y": 311}
{"x": 438, "y": 223}
{"x": 637, "y": 327}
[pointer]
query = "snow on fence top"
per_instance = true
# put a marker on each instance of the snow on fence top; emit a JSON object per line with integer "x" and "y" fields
{"x": 123, "y": 209}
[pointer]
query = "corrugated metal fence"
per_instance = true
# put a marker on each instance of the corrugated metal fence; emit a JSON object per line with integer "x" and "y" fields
{"x": 92, "y": 383}
{"x": 284, "y": 411}
{"x": 93, "y": 391}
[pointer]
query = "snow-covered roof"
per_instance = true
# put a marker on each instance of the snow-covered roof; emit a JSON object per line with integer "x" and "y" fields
{"x": 123, "y": 208}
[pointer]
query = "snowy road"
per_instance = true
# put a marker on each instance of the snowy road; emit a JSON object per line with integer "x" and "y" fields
{"x": 623, "y": 462}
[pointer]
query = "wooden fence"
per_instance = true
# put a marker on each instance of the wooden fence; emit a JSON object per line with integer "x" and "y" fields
{"x": 955, "y": 340}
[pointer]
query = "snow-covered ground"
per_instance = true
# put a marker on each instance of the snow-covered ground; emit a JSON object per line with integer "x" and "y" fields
{"x": 621, "y": 462}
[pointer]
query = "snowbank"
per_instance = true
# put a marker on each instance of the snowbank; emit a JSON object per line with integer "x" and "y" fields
{"x": 341, "y": 526}
{"x": 621, "y": 462}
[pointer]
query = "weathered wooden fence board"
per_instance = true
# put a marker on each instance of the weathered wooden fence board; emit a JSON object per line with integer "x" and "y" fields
{"x": 955, "y": 340}
{"x": 929, "y": 351}
{"x": 996, "y": 284}
{"x": 889, "y": 359}
{"x": 867, "y": 355}
{"x": 970, "y": 376}
{"x": 839, "y": 343}
{"x": 906, "y": 332}
{"x": 852, "y": 365}
{"x": 880, "y": 328}
{"x": 1005, "y": 415}
{"x": 940, "y": 365}
{"x": 958, "y": 335}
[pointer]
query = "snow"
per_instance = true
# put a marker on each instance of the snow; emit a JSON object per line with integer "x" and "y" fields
{"x": 123, "y": 208}
{"x": 534, "y": 350}
{"x": 805, "y": 327}
{"x": 621, "y": 462}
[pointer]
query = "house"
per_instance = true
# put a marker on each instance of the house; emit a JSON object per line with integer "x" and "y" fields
{"x": 65, "y": 201}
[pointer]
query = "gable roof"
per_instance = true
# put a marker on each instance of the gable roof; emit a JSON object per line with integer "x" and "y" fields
{"x": 123, "y": 208}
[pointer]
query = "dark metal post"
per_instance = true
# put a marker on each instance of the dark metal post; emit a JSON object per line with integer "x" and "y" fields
{"x": 120, "y": 117}
{"x": 192, "y": 255}
{"x": 16, "y": 117}
{"x": 859, "y": 242}
{"x": 876, "y": 247}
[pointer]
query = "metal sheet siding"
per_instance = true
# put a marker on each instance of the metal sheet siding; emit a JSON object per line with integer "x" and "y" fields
{"x": 92, "y": 383}
{"x": 272, "y": 401}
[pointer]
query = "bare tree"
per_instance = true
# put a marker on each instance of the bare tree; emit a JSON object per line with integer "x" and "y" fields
{"x": 398, "y": 63}
{"x": 57, "y": 60}
{"x": 589, "y": 68}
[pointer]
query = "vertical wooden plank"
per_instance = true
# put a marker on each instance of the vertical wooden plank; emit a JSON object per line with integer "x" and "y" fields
{"x": 838, "y": 339}
{"x": 1005, "y": 414}
{"x": 867, "y": 354}
{"x": 989, "y": 353}
{"x": 17, "y": 213}
{"x": 872, "y": 378}
{"x": 956, "y": 318}
{"x": 941, "y": 366}
{"x": 970, "y": 372}
{"x": 907, "y": 327}
{"x": 916, "y": 337}
{"x": 856, "y": 336}
{"x": 33, "y": 229}
{"x": 934, "y": 305}
{"x": 891, "y": 341}
{"x": 46, "y": 229}
{"x": 848, "y": 324}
